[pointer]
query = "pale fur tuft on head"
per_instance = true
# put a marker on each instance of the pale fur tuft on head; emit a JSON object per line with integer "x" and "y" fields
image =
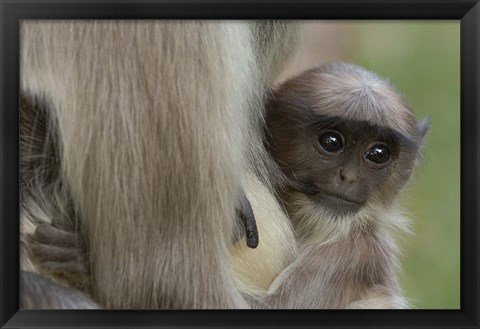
{"x": 348, "y": 91}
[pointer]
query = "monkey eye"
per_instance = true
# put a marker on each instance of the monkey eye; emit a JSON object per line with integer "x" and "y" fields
{"x": 379, "y": 153}
{"x": 331, "y": 141}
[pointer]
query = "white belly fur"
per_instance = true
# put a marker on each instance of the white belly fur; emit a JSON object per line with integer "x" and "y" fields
{"x": 255, "y": 269}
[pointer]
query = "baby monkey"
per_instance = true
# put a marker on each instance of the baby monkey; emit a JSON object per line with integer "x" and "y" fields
{"x": 346, "y": 143}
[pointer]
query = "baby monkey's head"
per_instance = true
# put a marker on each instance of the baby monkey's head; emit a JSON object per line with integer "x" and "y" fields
{"x": 344, "y": 138}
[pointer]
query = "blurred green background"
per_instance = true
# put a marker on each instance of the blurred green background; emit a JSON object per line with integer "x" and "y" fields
{"x": 422, "y": 59}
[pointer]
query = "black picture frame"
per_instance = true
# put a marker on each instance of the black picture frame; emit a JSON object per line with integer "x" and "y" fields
{"x": 467, "y": 11}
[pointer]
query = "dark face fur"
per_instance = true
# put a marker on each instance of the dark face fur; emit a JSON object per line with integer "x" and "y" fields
{"x": 341, "y": 162}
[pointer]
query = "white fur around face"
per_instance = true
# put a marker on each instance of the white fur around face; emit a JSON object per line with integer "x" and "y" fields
{"x": 316, "y": 224}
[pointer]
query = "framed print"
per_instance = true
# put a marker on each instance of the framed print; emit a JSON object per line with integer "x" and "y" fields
{"x": 243, "y": 164}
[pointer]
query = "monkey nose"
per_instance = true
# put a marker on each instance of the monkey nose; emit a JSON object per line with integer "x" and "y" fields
{"x": 347, "y": 176}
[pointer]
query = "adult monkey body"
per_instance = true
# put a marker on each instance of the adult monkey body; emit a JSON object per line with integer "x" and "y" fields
{"x": 138, "y": 161}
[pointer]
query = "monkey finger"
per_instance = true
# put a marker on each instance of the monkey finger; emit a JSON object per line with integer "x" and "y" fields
{"x": 44, "y": 252}
{"x": 248, "y": 218}
{"x": 248, "y": 226}
{"x": 47, "y": 234}
{"x": 250, "y": 230}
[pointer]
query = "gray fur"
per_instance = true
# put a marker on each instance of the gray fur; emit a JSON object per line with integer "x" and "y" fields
{"x": 154, "y": 126}
{"x": 38, "y": 292}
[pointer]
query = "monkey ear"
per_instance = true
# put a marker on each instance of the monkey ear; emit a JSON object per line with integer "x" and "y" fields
{"x": 423, "y": 126}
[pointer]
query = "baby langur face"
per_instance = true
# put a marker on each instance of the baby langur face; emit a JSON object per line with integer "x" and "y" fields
{"x": 341, "y": 163}
{"x": 343, "y": 137}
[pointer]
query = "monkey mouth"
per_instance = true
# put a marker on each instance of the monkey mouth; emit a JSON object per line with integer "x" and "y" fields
{"x": 334, "y": 196}
{"x": 336, "y": 203}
